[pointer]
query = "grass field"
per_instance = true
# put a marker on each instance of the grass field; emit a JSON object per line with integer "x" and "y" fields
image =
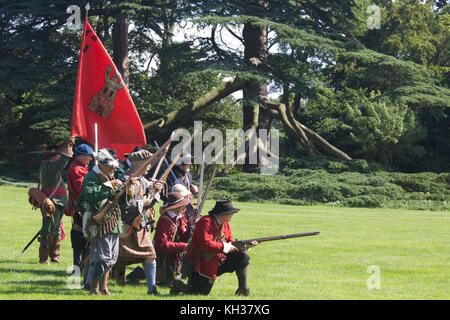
{"x": 410, "y": 250}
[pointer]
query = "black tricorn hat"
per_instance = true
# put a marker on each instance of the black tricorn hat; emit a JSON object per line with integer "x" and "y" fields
{"x": 222, "y": 207}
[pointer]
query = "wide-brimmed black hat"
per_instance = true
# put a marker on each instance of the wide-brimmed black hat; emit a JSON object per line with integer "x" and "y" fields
{"x": 54, "y": 150}
{"x": 222, "y": 207}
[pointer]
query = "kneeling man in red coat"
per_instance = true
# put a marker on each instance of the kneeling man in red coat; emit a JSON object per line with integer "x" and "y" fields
{"x": 213, "y": 252}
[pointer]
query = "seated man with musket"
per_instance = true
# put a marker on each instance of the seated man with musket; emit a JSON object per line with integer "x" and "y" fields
{"x": 171, "y": 237}
{"x": 212, "y": 253}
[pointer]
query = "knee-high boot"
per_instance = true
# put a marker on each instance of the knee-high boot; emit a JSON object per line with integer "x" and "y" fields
{"x": 242, "y": 281}
{"x": 43, "y": 250}
{"x": 55, "y": 248}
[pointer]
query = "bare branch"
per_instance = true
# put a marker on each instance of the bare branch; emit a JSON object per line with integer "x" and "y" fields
{"x": 190, "y": 110}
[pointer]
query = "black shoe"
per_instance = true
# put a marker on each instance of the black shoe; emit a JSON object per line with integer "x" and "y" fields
{"x": 136, "y": 275}
{"x": 242, "y": 292}
{"x": 154, "y": 292}
{"x": 179, "y": 286}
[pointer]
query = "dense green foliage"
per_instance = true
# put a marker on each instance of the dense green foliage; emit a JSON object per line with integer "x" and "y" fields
{"x": 377, "y": 94}
{"x": 352, "y": 183}
{"x": 376, "y": 129}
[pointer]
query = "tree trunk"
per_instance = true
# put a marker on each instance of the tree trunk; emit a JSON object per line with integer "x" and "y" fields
{"x": 254, "y": 116}
{"x": 170, "y": 15}
{"x": 309, "y": 138}
{"x": 120, "y": 46}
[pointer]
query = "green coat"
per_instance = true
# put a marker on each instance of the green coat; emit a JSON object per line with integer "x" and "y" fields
{"x": 94, "y": 191}
{"x": 50, "y": 174}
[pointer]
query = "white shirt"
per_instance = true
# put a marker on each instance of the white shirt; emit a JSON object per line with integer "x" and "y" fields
{"x": 173, "y": 215}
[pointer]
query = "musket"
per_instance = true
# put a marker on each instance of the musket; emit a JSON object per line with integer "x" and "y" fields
{"x": 202, "y": 203}
{"x": 200, "y": 186}
{"x": 155, "y": 173}
{"x": 29, "y": 243}
{"x": 175, "y": 160}
{"x": 193, "y": 220}
{"x": 201, "y": 198}
{"x": 100, "y": 216}
{"x": 196, "y": 216}
{"x": 155, "y": 195}
{"x": 137, "y": 221}
{"x": 163, "y": 178}
{"x": 242, "y": 244}
{"x": 167, "y": 163}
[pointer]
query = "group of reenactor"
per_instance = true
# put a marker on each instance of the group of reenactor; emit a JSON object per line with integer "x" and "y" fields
{"x": 185, "y": 245}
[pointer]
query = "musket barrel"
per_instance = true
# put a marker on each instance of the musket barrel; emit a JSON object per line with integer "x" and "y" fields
{"x": 155, "y": 173}
{"x": 200, "y": 206}
{"x": 286, "y": 236}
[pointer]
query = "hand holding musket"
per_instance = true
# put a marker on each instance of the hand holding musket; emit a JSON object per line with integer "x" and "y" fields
{"x": 100, "y": 216}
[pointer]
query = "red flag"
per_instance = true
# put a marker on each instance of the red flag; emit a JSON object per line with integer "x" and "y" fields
{"x": 101, "y": 97}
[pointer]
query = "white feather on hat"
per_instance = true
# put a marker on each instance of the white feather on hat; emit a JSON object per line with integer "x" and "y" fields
{"x": 107, "y": 157}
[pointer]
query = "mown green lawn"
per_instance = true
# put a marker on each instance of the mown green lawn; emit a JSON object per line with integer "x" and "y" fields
{"x": 410, "y": 249}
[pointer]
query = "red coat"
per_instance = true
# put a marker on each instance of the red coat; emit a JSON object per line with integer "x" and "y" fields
{"x": 207, "y": 240}
{"x": 165, "y": 243}
{"x": 75, "y": 177}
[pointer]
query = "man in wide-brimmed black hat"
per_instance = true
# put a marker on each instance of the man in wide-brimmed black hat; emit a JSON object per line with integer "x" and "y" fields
{"x": 213, "y": 253}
